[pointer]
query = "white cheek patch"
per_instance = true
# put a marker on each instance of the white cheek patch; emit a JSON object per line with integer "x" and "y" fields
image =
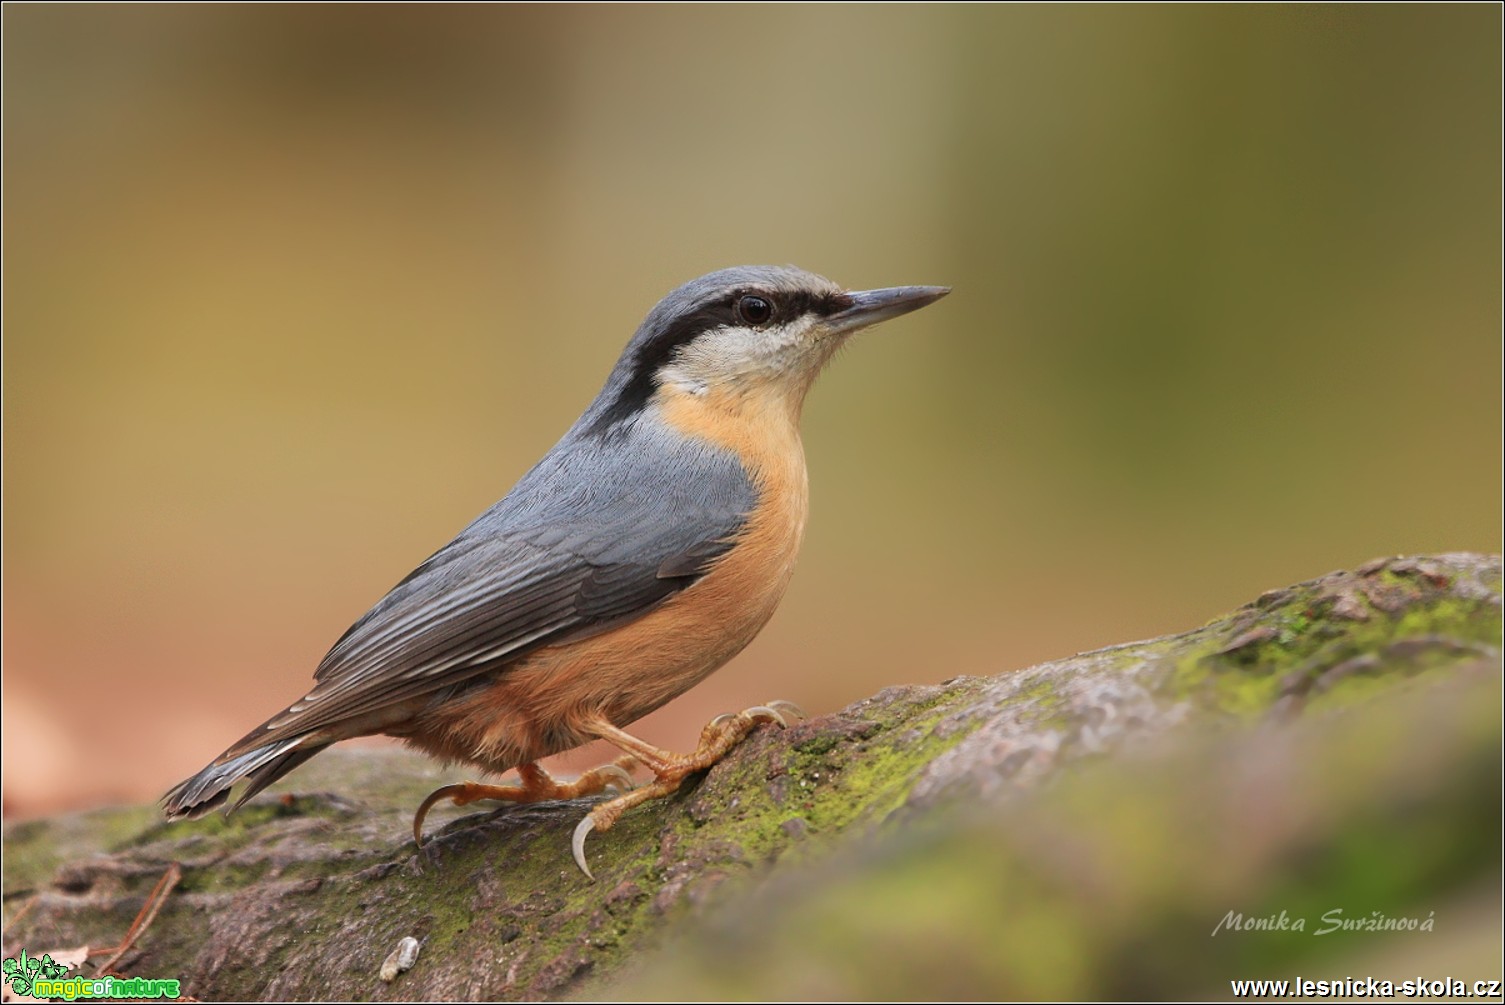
{"x": 732, "y": 355}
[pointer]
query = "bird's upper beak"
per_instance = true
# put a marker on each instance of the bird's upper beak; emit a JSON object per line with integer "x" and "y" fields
{"x": 868, "y": 307}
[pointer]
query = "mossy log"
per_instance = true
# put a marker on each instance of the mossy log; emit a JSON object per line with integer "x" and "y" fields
{"x": 1129, "y": 822}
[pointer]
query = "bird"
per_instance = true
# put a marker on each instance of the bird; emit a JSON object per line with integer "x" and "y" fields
{"x": 646, "y": 549}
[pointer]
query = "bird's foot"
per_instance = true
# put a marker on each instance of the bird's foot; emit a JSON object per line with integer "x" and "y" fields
{"x": 537, "y": 786}
{"x": 670, "y": 770}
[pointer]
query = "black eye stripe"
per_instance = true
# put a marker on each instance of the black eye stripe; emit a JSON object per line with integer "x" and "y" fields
{"x": 788, "y": 306}
{"x": 653, "y": 353}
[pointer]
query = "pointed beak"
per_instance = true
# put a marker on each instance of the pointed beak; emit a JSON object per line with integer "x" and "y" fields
{"x": 868, "y": 307}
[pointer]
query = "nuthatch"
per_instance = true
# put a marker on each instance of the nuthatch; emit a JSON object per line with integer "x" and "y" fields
{"x": 643, "y": 552}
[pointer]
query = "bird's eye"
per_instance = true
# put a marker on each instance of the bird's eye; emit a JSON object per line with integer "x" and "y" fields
{"x": 754, "y": 310}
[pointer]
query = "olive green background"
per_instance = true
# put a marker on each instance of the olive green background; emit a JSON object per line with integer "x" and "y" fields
{"x": 292, "y": 293}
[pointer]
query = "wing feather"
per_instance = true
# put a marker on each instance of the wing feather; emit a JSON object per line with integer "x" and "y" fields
{"x": 539, "y": 567}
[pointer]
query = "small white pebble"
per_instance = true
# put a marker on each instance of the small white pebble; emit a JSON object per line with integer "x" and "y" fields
{"x": 400, "y": 959}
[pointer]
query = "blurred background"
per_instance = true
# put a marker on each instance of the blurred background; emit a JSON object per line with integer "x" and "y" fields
{"x": 293, "y": 292}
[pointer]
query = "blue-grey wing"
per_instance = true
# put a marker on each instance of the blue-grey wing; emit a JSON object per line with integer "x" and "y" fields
{"x": 587, "y": 538}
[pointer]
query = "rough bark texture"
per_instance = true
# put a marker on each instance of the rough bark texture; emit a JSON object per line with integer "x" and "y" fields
{"x": 1076, "y": 829}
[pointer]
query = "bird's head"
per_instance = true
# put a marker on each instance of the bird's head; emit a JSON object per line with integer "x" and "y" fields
{"x": 751, "y": 333}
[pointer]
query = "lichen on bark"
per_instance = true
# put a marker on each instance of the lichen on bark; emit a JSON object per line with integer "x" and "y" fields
{"x": 1074, "y": 829}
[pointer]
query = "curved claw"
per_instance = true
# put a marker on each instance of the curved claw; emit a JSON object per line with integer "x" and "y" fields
{"x": 787, "y": 708}
{"x": 443, "y": 792}
{"x": 764, "y": 713}
{"x": 618, "y": 777}
{"x": 577, "y": 844}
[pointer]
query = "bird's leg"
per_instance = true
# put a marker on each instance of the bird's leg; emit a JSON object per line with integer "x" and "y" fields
{"x": 537, "y": 786}
{"x": 670, "y": 770}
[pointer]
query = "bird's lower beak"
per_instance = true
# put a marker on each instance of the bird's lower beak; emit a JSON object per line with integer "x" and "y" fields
{"x": 868, "y": 307}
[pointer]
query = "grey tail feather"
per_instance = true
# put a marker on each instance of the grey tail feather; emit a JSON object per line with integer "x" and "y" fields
{"x": 261, "y": 767}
